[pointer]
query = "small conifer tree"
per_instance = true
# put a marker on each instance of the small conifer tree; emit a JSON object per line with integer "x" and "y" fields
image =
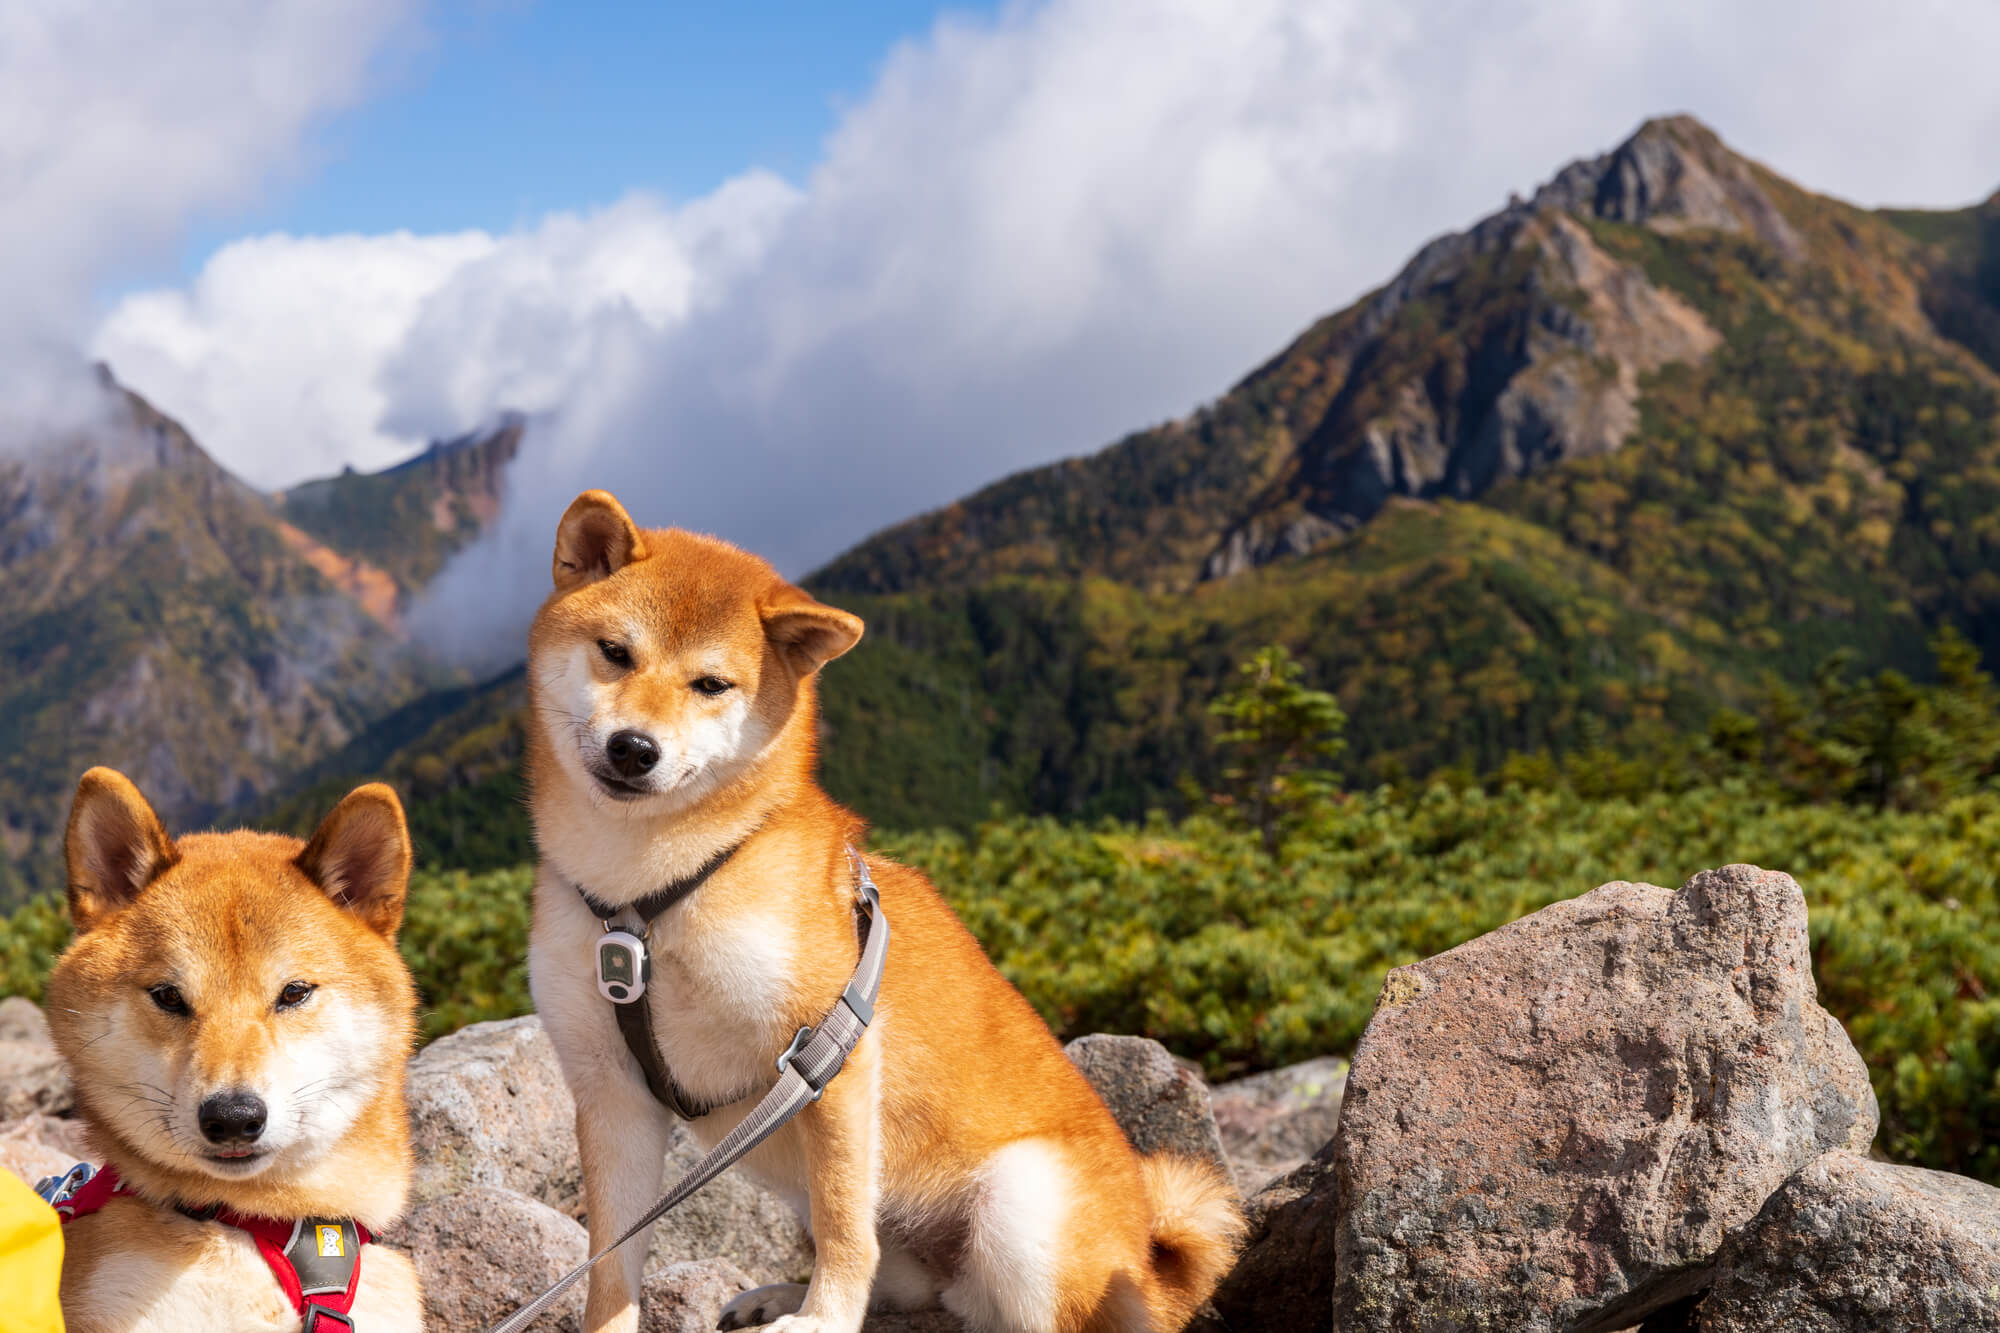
{"x": 1279, "y": 734}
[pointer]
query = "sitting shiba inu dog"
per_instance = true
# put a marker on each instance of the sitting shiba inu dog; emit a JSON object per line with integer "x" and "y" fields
{"x": 236, "y": 1020}
{"x": 958, "y": 1159}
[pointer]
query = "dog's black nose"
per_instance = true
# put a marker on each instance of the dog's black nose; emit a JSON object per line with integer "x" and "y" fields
{"x": 632, "y": 753}
{"x": 232, "y": 1117}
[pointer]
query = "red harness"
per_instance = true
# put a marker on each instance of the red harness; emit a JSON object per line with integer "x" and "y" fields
{"x": 323, "y": 1306}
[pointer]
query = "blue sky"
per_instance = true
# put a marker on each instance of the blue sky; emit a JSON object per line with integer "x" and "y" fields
{"x": 502, "y": 110}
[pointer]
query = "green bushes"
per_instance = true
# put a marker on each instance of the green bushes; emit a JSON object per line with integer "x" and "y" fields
{"x": 1191, "y": 933}
{"x": 465, "y": 938}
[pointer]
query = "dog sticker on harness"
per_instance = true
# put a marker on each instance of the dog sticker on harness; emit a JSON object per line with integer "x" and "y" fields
{"x": 330, "y": 1246}
{"x": 623, "y": 967}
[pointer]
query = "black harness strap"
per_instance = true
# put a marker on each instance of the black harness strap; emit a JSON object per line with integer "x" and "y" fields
{"x": 635, "y": 1017}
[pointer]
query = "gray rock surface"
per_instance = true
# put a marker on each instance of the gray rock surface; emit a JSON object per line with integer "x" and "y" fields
{"x": 488, "y": 1107}
{"x": 32, "y": 1077}
{"x": 688, "y": 1297}
{"x": 42, "y": 1145}
{"x": 1284, "y": 1277}
{"x": 484, "y": 1252}
{"x": 1551, "y": 1127}
{"x": 1273, "y": 1123}
{"x": 1160, "y": 1104}
{"x": 1848, "y": 1244}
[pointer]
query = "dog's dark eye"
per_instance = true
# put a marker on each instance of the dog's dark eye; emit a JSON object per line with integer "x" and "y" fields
{"x": 615, "y": 653}
{"x": 169, "y": 999}
{"x": 712, "y": 685}
{"x": 294, "y": 994}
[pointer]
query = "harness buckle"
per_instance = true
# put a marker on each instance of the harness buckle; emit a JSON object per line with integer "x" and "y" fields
{"x": 57, "y": 1190}
{"x": 315, "y": 1314}
{"x": 792, "y": 1052}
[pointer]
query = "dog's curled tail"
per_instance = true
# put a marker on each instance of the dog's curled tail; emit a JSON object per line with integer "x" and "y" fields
{"x": 1197, "y": 1226}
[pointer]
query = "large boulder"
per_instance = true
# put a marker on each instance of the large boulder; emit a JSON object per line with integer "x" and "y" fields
{"x": 1161, "y": 1104}
{"x": 489, "y": 1108}
{"x": 1272, "y": 1123}
{"x": 1553, "y": 1126}
{"x": 32, "y": 1077}
{"x": 1849, "y": 1244}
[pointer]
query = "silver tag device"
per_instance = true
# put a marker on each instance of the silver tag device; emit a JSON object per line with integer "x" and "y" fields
{"x": 623, "y": 966}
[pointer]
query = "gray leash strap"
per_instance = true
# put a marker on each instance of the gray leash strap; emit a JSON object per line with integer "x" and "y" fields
{"x": 806, "y": 1067}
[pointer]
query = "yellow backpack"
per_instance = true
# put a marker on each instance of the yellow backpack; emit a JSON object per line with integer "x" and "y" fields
{"x": 31, "y": 1255}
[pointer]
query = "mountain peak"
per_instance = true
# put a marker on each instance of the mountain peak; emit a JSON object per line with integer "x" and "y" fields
{"x": 1675, "y": 173}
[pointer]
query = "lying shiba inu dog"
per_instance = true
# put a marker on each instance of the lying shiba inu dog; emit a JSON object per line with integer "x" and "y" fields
{"x": 236, "y": 1019}
{"x": 958, "y": 1159}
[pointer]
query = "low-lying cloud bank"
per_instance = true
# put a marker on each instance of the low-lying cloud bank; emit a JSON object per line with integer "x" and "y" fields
{"x": 1034, "y": 233}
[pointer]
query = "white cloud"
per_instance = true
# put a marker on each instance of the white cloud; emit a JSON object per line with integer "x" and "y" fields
{"x": 270, "y": 357}
{"x": 121, "y": 120}
{"x": 289, "y": 357}
{"x": 1039, "y": 231}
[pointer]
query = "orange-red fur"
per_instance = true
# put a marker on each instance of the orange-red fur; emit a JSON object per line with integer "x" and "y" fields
{"x": 957, "y": 1067}
{"x": 229, "y": 919}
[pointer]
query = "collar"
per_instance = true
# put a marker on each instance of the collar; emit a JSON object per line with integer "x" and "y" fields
{"x": 660, "y": 899}
{"x": 316, "y": 1260}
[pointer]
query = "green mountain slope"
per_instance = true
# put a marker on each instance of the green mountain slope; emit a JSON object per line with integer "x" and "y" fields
{"x": 1587, "y": 470}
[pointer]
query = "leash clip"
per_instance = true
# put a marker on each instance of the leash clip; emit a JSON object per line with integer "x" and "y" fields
{"x": 792, "y": 1052}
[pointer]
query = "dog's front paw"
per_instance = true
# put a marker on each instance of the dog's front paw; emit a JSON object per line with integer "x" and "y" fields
{"x": 761, "y": 1305}
{"x": 798, "y": 1323}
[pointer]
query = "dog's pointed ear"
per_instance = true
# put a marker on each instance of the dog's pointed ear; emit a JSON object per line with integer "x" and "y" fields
{"x": 806, "y": 633}
{"x": 595, "y": 540}
{"x": 115, "y": 846}
{"x": 360, "y": 857}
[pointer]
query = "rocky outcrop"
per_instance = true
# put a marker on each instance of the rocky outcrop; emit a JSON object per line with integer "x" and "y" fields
{"x": 1848, "y": 1245}
{"x": 1675, "y": 175}
{"x": 1553, "y": 1126}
